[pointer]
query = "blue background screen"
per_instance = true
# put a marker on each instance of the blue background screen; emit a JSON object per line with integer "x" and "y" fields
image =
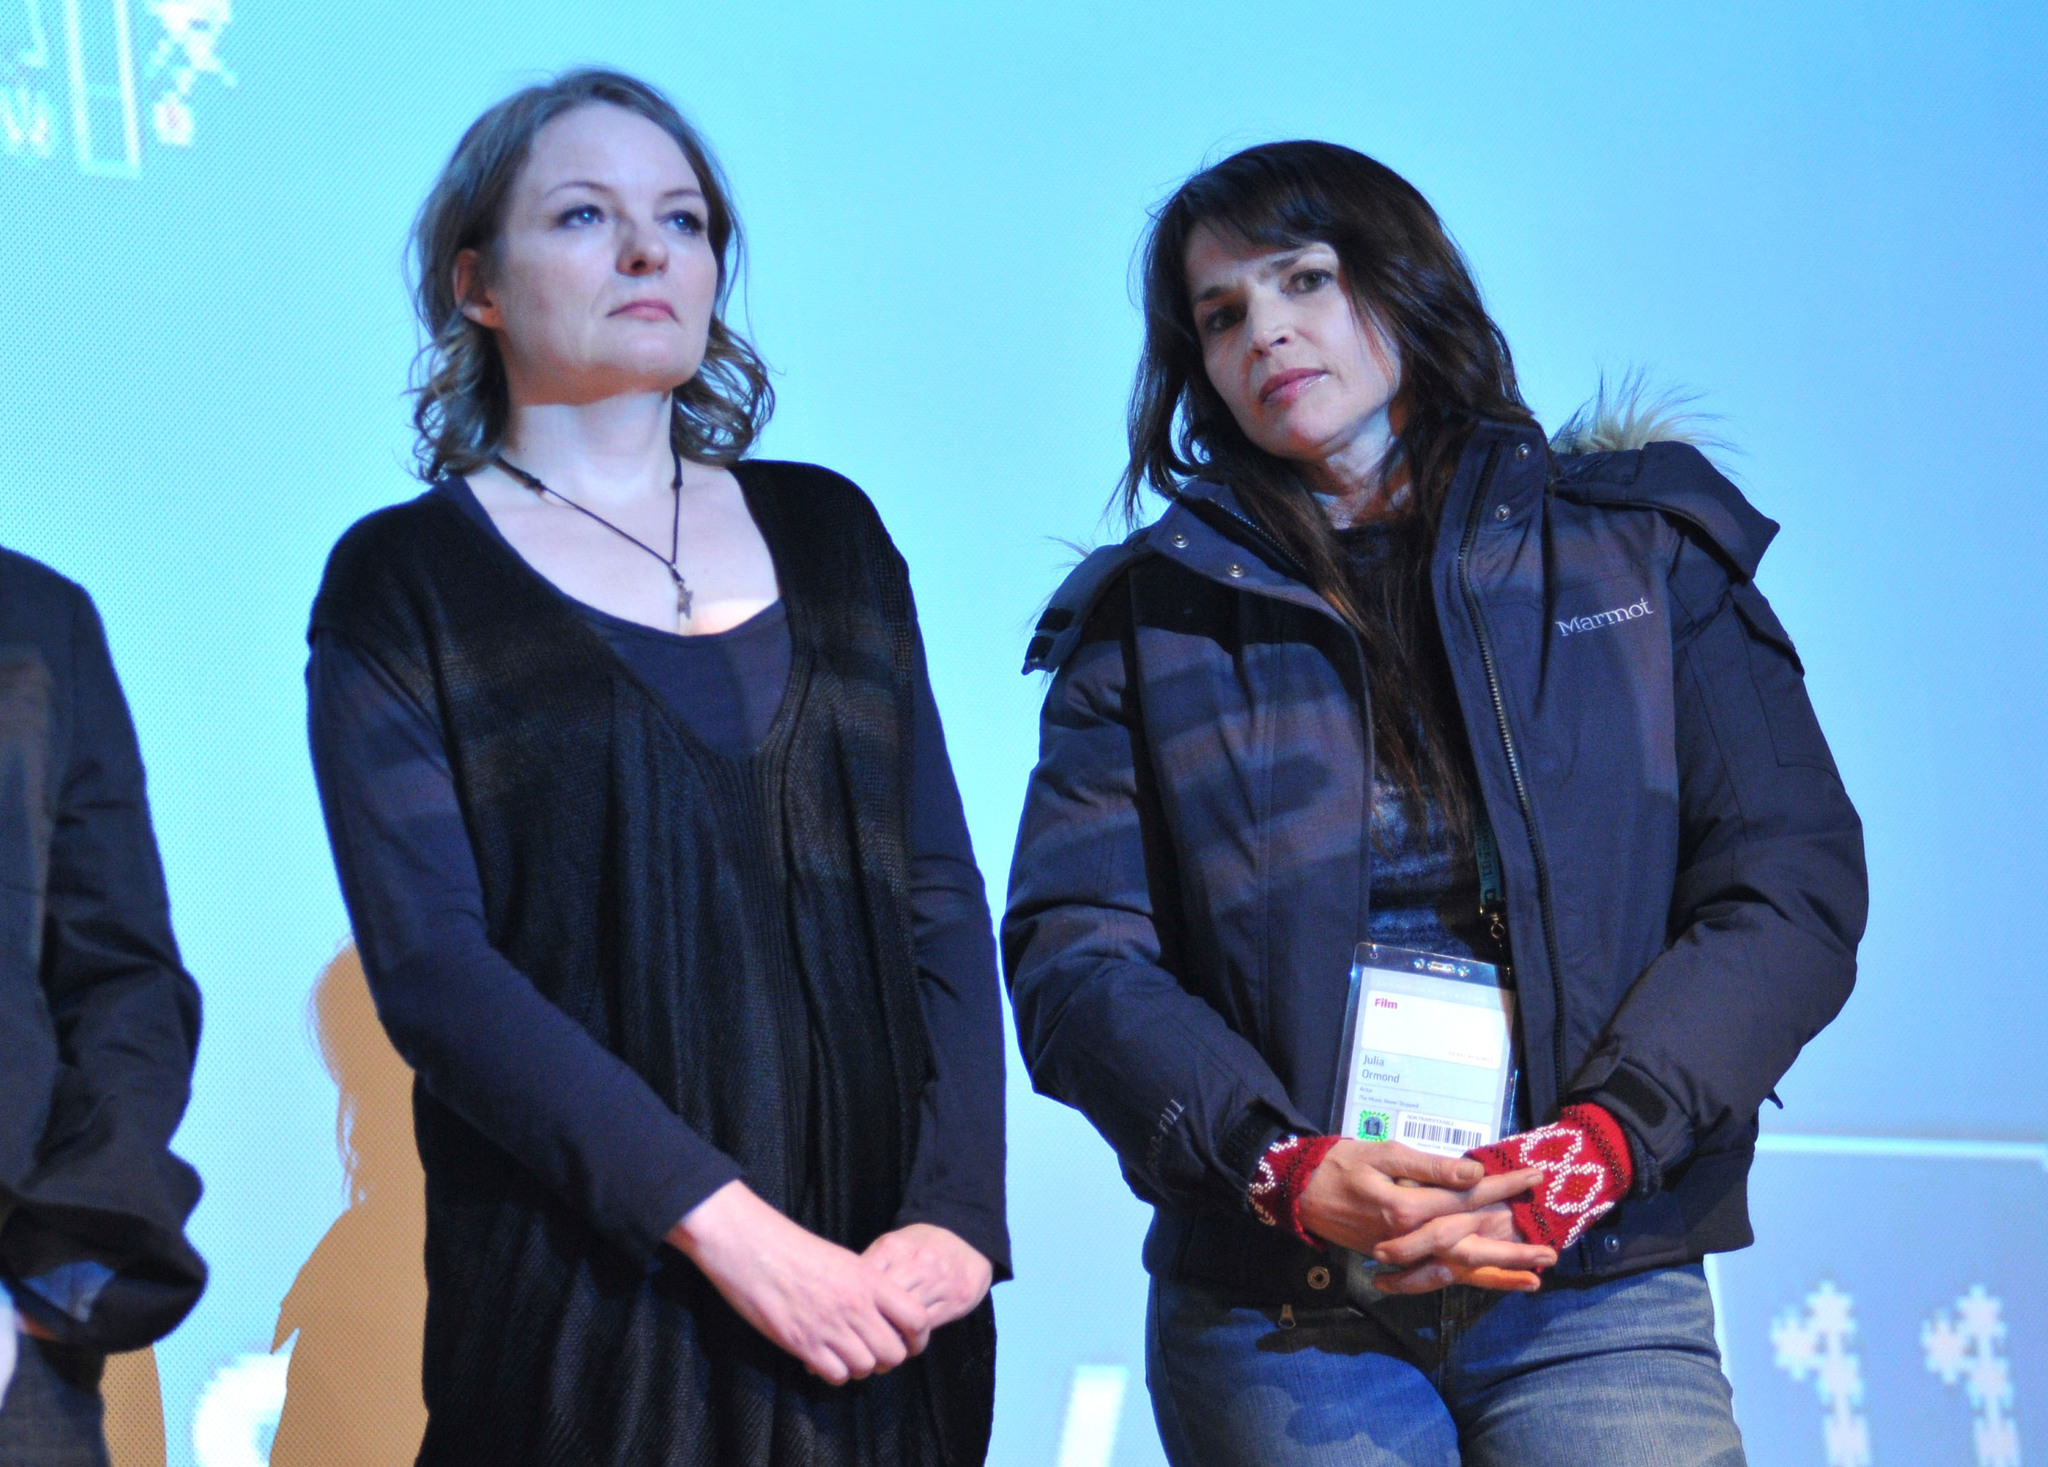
{"x": 1825, "y": 218}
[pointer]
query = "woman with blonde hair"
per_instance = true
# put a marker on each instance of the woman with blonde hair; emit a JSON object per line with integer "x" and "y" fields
{"x": 644, "y": 819}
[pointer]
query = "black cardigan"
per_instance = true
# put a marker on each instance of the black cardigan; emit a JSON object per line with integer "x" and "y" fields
{"x": 402, "y": 850}
{"x": 737, "y": 931}
{"x": 99, "y": 1020}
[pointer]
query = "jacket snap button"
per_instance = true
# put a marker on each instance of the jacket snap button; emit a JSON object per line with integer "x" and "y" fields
{"x": 1521, "y": 452}
{"x": 1611, "y": 1243}
{"x": 1180, "y": 542}
{"x": 1502, "y": 513}
{"x": 1319, "y": 1277}
{"x": 1236, "y": 570}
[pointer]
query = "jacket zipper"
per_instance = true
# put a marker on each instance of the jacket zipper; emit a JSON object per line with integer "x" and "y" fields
{"x": 1507, "y": 739}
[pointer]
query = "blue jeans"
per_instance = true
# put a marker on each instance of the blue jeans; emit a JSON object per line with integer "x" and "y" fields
{"x": 1616, "y": 1374}
{"x": 51, "y": 1414}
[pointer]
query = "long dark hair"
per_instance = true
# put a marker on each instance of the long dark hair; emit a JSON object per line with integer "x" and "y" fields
{"x": 1403, "y": 271}
{"x": 461, "y": 407}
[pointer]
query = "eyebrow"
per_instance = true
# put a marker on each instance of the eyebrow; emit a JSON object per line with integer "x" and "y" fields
{"x": 1272, "y": 267}
{"x": 689, "y": 192}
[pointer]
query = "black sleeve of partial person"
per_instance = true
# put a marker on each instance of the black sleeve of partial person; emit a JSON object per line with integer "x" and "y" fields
{"x": 1770, "y": 898}
{"x": 957, "y": 1174}
{"x": 126, "y": 1009}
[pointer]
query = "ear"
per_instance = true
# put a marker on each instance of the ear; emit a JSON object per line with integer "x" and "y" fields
{"x": 473, "y": 295}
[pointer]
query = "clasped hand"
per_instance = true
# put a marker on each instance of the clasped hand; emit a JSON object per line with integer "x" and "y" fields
{"x": 1427, "y": 1220}
{"x": 845, "y": 1315}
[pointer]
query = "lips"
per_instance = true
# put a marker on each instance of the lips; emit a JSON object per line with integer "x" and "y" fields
{"x": 1284, "y": 387}
{"x": 647, "y": 310}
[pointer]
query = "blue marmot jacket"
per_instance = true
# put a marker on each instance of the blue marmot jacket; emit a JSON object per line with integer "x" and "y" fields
{"x": 1684, "y": 871}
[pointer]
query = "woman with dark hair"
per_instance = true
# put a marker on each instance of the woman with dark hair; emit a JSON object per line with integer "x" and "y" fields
{"x": 645, "y": 823}
{"x": 1397, "y": 700}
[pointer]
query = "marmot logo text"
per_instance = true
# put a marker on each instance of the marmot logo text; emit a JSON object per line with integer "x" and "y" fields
{"x": 1612, "y": 618}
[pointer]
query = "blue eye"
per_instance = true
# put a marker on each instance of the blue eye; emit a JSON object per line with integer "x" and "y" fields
{"x": 581, "y": 214}
{"x": 687, "y": 222}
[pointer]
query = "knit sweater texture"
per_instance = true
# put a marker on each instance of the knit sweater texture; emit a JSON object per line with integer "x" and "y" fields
{"x": 737, "y": 930}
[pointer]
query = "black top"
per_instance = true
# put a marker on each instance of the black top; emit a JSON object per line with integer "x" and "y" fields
{"x": 410, "y": 879}
{"x": 725, "y": 685}
{"x": 1425, "y": 874}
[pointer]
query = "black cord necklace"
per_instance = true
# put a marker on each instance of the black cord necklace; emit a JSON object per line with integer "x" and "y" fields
{"x": 675, "y": 529}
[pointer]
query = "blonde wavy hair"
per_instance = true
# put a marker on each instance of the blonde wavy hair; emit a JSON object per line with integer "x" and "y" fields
{"x": 461, "y": 406}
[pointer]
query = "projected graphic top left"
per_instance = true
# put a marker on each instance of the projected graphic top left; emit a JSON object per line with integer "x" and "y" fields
{"x": 92, "y": 80}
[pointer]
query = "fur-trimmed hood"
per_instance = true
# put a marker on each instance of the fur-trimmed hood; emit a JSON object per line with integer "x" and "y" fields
{"x": 1633, "y": 415}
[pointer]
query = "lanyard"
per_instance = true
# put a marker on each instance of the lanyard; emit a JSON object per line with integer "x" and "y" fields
{"x": 1493, "y": 895}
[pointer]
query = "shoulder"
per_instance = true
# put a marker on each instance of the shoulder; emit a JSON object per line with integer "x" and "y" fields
{"x": 1066, "y": 615}
{"x": 378, "y": 556}
{"x": 823, "y": 531}
{"x": 1678, "y": 481}
{"x": 50, "y": 612}
{"x": 830, "y": 549}
{"x": 805, "y": 489}
{"x": 800, "y": 507}
{"x": 35, "y": 595}
{"x": 393, "y": 535}
{"x": 383, "y": 531}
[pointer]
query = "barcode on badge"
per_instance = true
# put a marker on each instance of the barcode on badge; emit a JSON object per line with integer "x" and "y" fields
{"x": 1435, "y": 1132}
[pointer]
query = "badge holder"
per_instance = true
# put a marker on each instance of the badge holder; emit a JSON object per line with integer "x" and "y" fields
{"x": 1431, "y": 1052}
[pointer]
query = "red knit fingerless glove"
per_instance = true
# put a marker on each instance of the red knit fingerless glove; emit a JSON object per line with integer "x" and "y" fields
{"x": 1275, "y": 1192}
{"x": 1586, "y": 1165}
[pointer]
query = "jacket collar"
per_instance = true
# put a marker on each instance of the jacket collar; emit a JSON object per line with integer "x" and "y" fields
{"x": 1509, "y": 464}
{"x": 1208, "y": 530}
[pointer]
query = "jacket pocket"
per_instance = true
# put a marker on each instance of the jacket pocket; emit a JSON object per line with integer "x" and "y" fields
{"x": 1780, "y": 679}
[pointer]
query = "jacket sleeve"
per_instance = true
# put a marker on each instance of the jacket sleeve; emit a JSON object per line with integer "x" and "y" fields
{"x": 101, "y": 1236}
{"x": 1770, "y": 898}
{"x": 1104, "y": 1024}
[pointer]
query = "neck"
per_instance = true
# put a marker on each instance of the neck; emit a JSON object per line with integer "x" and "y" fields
{"x": 614, "y": 448}
{"x": 1364, "y": 480}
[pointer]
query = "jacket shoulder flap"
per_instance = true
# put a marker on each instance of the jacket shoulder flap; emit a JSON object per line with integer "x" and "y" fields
{"x": 1059, "y": 628}
{"x": 1677, "y": 480}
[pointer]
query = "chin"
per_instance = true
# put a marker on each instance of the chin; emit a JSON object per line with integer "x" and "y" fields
{"x": 657, "y": 371}
{"x": 1305, "y": 436}
{"x": 1294, "y": 445}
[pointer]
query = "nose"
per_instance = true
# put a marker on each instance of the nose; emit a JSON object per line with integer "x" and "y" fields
{"x": 643, "y": 251}
{"x": 1270, "y": 326}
